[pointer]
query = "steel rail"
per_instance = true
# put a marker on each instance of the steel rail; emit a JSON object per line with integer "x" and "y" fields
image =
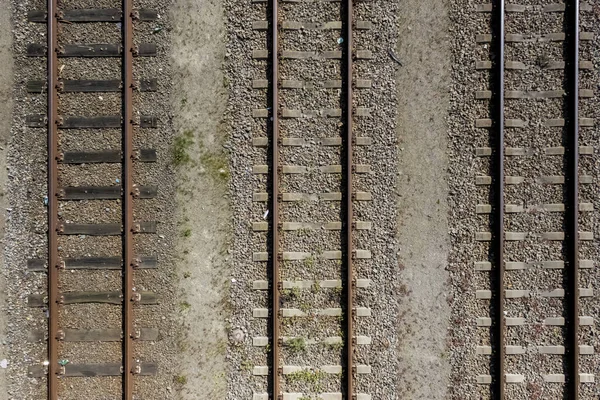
{"x": 349, "y": 347}
{"x": 128, "y": 196}
{"x": 274, "y": 209}
{"x": 498, "y": 244}
{"x": 53, "y": 260}
{"x": 572, "y": 216}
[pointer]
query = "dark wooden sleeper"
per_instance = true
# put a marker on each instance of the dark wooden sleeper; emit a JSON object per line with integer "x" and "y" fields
{"x": 106, "y": 263}
{"x": 79, "y": 122}
{"x": 40, "y": 300}
{"x": 93, "y": 335}
{"x": 103, "y": 192}
{"x": 104, "y": 229}
{"x": 88, "y": 370}
{"x": 91, "y": 86}
{"x": 92, "y": 15}
{"x": 105, "y": 156}
{"x": 91, "y": 50}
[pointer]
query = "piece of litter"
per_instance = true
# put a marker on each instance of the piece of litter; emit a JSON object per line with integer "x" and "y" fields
{"x": 63, "y": 362}
{"x": 45, "y": 200}
{"x": 233, "y": 280}
{"x": 119, "y": 25}
{"x": 265, "y": 214}
{"x": 157, "y": 29}
{"x": 117, "y": 180}
{"x": 46, "y": 363}
{"x": 394, "y": 56}
{"x": 4, "y": 363}
{"x": 101, "y": 98}
{"x": 340, "y": 40}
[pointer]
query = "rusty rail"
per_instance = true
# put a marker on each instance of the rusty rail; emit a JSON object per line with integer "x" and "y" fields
{"x": 53, "y": 261}
{"x": 498, "y": 243}
{"x": 572, "y": 245}
{"x": 274, "y": 208}
{"x": 129, "y": 260}
{"x": 349, "y": 281}
{"x": 128, "y": 195}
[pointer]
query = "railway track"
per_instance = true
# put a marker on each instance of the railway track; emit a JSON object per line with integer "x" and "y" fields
{"x": 309, "y": 224}
{"x": 536, "y": 237}
{"x": 91, "y": 227}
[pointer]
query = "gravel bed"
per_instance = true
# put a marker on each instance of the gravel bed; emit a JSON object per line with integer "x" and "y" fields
{"x": 160, "y": 281}
{"x": 107, "y": 385}
{"x": 90, "y": 104}
{"x": 89, "y": 174}
{"x": 589, "y": 221}
{"x": 91, "y": 316}
{"x": 241, "y": 70}
{"x": 383, "y": 296}
{"x": 89, "y": 68}
{"x": 27, "y": 189}
{"x": 90, "y": 281}
{"x": 464, "y": 196}
{"x": 25, "y": 226}
{"x": 314, "y": 242}
{"x": 91, "y": 212}
{"x": 90, "y": 4}
{"x": 95, "y": 139}
{"x": 103, "y": 32}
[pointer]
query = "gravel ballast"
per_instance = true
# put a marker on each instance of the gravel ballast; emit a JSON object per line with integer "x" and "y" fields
{"x": 536, "y": 306}
{"x": 27, "y": 219}
{"x": 421, "y": 339}
{"x": 380, "y": 297}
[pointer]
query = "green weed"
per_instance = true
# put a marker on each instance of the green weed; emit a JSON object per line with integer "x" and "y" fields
{"x": 247, "y": 365}
{"x": 296, "y": 345}
{"x": 180, "y": 379}
{"x": 306, "y": 376}
{"x": 216, "y": 165}
{"x": 181, "y": 147}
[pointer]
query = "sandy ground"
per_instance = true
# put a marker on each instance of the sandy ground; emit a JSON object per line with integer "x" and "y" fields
{"x": 423, "y": 83}
{"x": 199, "y": 99}
{"x": 6, "y": 80}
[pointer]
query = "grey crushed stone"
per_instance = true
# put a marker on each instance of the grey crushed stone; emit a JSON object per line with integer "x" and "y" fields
{"x": 464, "y": 195}
{"x": 26, "y": 220}
{"x": 380, "y": 297}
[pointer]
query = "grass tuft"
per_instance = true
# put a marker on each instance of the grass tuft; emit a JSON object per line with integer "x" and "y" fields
{"x": 296, "y": 345}
{"x": 306, "y": 376}
{"x": 180, "y": 150}
{"x": 184, "y": 306}
{"x": 180, "y": 379}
